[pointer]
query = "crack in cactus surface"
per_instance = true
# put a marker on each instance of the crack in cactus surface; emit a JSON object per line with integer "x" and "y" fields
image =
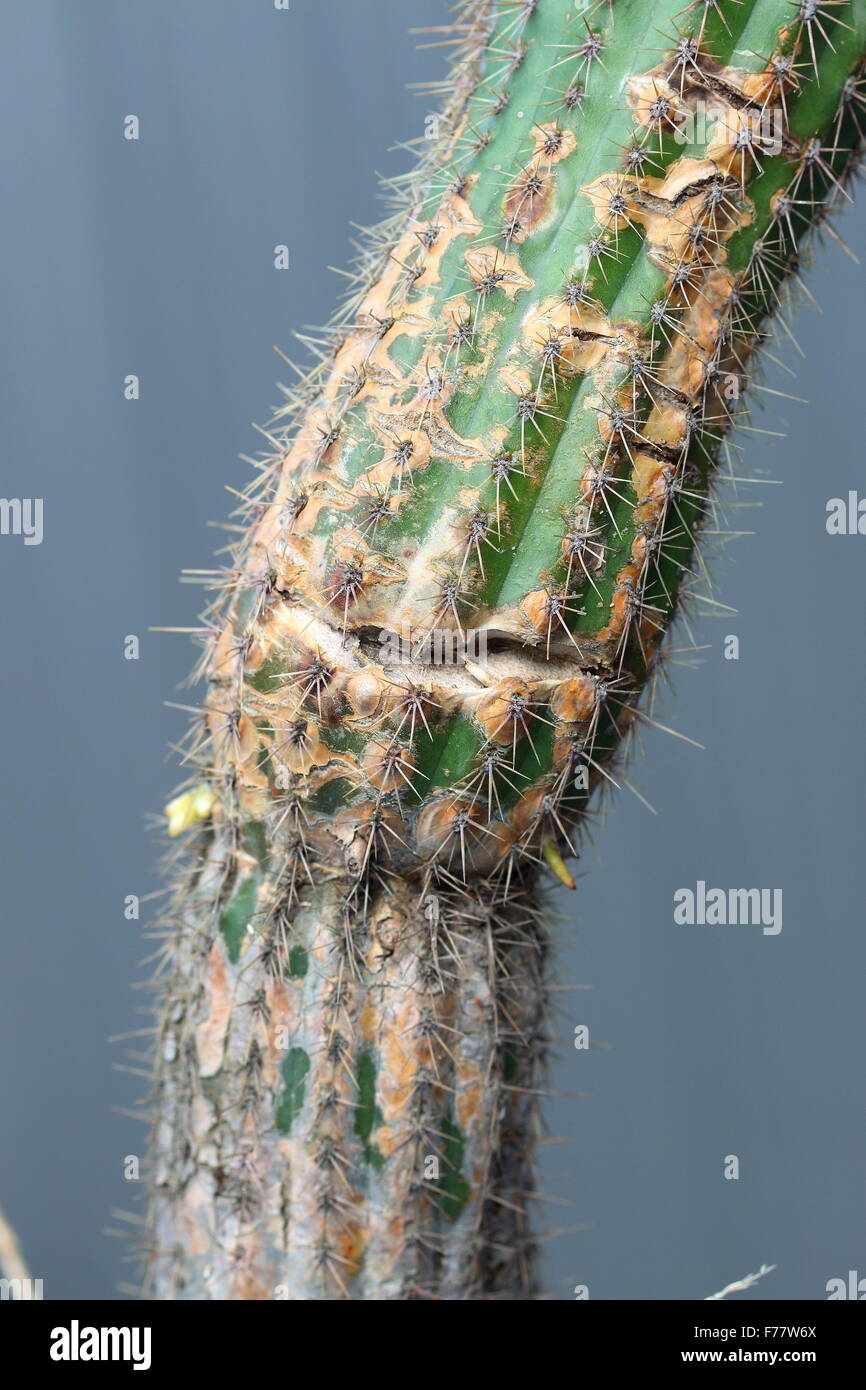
{"x": 477, "y": 522}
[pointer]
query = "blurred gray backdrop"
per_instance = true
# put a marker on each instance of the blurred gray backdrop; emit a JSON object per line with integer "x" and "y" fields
{"x": 155, "y": 257}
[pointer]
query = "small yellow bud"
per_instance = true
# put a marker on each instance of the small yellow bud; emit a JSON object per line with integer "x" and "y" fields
{"x": 185, "y": 810}
{"x": 556, "y": 863}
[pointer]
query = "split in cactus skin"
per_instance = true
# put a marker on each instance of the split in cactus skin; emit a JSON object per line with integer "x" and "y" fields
{"x": 505, "y": 454}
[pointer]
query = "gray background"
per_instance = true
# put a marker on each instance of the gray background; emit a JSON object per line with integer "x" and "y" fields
{"x": 155, "y": 257}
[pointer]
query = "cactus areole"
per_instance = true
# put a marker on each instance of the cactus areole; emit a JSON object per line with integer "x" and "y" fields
{"x": 475, "y": 523}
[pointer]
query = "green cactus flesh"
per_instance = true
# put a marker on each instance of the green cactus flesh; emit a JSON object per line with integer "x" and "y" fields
{"x": 475, "y": 525}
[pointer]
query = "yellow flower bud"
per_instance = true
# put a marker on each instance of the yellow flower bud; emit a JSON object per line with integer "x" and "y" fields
{"x": 185, "y": 810}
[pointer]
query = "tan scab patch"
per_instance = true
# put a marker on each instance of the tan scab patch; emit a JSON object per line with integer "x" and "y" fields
{"x": 368, "y": 1021}
{"x": 620, "y": 608}
{"x": 501, "y": 267}
{"x": 755, "y": 87}
{"x": 230, "y": 730}
{"x": 607, "y": 193}
{"x": 503, "y": 710}
{"x": 399, "y": 1061}
{"x": 580, "y": 319}
{"x": 366, "y": 692}
{"x": 515, "y": 379}
{"x": 679, "y": 176}
{"x": 435, "y": 827}
{"x": 667, "y": 425}
{"x": 470, "y": 1093}
{"x": 363, "y": 357}
{"x": 546, "y": 613}
{"x": 284, "y": 1008}
{"x": 684, "y": 368}
{"x": 406, "y": 448}
{"x": 528, "y": 202}
{"x": 649, "y": 478}
{"x": 645, "y": 92}
{"x": 359, "y": 580}
{"x": 210, "y": 1035}
{"x": 388, "y": 766}
{"x": 298, "y": 748}
{"x": 732, "y": 142}
{"x": 552, "y": 143}
{"x": 658, "y": 206}
{"x": 574, "y": 700}
{"x": 528, "y": 809}
{"x": 224, "y": 654}
{"x": 453, "y": 218}
{"x": 563, "y": 351}
{"x": 583, "y": 337}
